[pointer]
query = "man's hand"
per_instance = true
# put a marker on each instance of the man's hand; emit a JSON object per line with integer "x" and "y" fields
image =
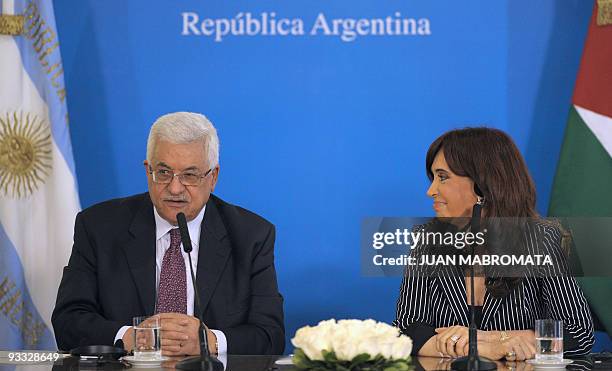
{"x": 143, "y": 340}
{"x": 180, "y": 335}
{"x": 128, "y": 339}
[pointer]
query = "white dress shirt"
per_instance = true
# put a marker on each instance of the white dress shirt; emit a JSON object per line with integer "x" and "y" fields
{"x": 162, "y": 243}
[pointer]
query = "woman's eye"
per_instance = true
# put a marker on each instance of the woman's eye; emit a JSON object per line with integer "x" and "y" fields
{"x": 442, "y": 177}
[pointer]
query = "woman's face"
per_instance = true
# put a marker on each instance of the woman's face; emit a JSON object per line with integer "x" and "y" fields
{"x": 453, "y": 195}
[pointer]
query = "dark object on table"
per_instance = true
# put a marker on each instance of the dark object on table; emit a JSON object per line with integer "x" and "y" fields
{"x": 99, "y": 352}
{"x": 95, "y": 357}
{"x": 601, "y": 361}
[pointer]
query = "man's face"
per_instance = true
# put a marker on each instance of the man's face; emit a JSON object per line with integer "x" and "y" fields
{"x": 174, "y": 197}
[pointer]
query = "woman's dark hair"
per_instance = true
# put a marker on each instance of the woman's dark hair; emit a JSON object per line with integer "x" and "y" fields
{"x": 491, "y": 159}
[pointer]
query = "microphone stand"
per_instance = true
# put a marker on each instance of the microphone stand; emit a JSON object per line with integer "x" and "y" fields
{"x": 204, "y": 362}
{"x": 472, "y": 361}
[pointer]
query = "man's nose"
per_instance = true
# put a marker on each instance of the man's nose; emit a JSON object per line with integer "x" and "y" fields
{"x": 175, "y": 186}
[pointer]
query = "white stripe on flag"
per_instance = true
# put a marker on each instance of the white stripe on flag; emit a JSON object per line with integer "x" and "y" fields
{"x": 600, "y": 125}
{"x": 8, "y": 6}
{"x": 40, "y": 225}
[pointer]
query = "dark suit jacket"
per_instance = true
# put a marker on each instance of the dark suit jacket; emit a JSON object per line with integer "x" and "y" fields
{"x": 110, "y": 277}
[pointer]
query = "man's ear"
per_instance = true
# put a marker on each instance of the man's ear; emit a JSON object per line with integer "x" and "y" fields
{"x": 145, "y": 163}
{"x": 215, "y": 177}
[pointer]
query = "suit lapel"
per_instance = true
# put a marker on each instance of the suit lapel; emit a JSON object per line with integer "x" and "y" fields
{"x": 453, "y": 286}
{"x": 214, "y": 250}
{"x": 140, "y": 253}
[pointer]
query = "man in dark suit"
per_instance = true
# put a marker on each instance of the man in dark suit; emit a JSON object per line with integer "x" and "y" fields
{"x": 127, "y": 258}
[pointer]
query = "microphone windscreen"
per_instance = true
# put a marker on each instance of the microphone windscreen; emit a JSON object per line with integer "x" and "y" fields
{"x": 185, "y": 239}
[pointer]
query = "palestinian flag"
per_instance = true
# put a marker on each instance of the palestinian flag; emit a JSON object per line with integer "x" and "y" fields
{"x": 583, "y": 183}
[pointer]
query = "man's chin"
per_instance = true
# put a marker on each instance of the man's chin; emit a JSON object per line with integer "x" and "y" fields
{"x": 169, "y": 212}
{"x": 175, "y": 205}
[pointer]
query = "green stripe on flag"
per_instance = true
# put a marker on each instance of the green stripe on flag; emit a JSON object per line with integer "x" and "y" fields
{"x": 584, "y": 174}
{"x": 582, "y": 188}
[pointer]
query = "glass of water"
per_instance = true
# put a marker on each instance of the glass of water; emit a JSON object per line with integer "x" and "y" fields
{"x": 549, "y": 340}
{"x": 147, "y": 339}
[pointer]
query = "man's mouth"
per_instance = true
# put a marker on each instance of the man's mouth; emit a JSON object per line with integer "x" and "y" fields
{"x": 176, "y": 203}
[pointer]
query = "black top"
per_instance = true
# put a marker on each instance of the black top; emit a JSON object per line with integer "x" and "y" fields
{"x": 478, "y": 315}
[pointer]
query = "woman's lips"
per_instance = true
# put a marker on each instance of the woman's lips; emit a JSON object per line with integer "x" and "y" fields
{"x": 437, "y": 205}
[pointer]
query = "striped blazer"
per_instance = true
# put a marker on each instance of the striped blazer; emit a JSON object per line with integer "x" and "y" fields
{"x": 426, "y": 303}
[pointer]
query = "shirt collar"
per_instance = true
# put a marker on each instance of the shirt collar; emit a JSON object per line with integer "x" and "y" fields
{"x": 162, "y": 226}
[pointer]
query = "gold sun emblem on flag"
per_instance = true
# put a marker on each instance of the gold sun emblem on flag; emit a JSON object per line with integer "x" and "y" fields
{"x": 25, "y": 153}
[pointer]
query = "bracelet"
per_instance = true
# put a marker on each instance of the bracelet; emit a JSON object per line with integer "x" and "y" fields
{"x": 503, "y": 336}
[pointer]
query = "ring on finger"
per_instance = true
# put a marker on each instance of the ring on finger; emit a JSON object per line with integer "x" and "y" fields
{"x": 510, "y": 354}
{"x": 455, "y": 338}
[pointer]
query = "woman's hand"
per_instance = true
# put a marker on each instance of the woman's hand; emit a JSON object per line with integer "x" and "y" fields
{"x": 517, "y": 348}
{"x": 452, "y": 341}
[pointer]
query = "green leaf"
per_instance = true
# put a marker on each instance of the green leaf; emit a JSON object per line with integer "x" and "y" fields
{"x": 300, "y": 360}
{"x": 360, "y": 358}
{"x": 361, "y": 362}
{"x": 329, "y": 356}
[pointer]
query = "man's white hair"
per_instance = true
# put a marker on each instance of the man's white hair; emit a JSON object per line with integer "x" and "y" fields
{"x": 185, "y": 127}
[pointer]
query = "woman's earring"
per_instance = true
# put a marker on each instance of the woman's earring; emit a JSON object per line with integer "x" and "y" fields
{"x": 480, "y": 200}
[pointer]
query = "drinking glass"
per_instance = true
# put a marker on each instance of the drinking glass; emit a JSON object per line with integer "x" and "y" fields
{"x": 549, "y": 340}
{"x": 147, "y": 340}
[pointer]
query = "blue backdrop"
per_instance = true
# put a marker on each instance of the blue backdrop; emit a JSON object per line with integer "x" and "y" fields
{"x": 316, "y": 132}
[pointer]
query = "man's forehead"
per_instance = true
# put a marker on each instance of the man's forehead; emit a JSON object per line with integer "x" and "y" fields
{"x": 161, "y": 164}
{"x": 179, "y": 155}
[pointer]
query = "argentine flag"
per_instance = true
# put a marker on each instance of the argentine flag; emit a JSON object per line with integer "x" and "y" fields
{"x": 38, "y": 189}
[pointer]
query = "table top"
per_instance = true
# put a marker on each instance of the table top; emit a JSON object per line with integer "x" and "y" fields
{"x": 246, "y": 363}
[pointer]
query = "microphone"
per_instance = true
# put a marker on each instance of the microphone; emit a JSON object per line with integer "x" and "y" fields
{"x": 204, "y": 361}
{"x": 185, "y": 239}
{"x": 472, "y": 361}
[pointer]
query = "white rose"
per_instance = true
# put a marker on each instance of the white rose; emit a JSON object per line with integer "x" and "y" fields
{"x": 385, "y": 347}
{"x": 368, "y": 345}
{"x": 311, "y": 342}
{"x": 345, "y": 348}
{"x": 349, "y": 338}
{"x": 402, "y": 347}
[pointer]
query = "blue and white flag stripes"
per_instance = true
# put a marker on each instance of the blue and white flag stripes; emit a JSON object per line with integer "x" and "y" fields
{"x": 38, "y": 189}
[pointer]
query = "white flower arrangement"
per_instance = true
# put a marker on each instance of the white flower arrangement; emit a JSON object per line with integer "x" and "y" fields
{"x": 351, "y": 345}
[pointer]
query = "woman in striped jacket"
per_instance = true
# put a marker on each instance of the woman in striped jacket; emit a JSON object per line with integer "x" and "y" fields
{"x": 473, "y": 165}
